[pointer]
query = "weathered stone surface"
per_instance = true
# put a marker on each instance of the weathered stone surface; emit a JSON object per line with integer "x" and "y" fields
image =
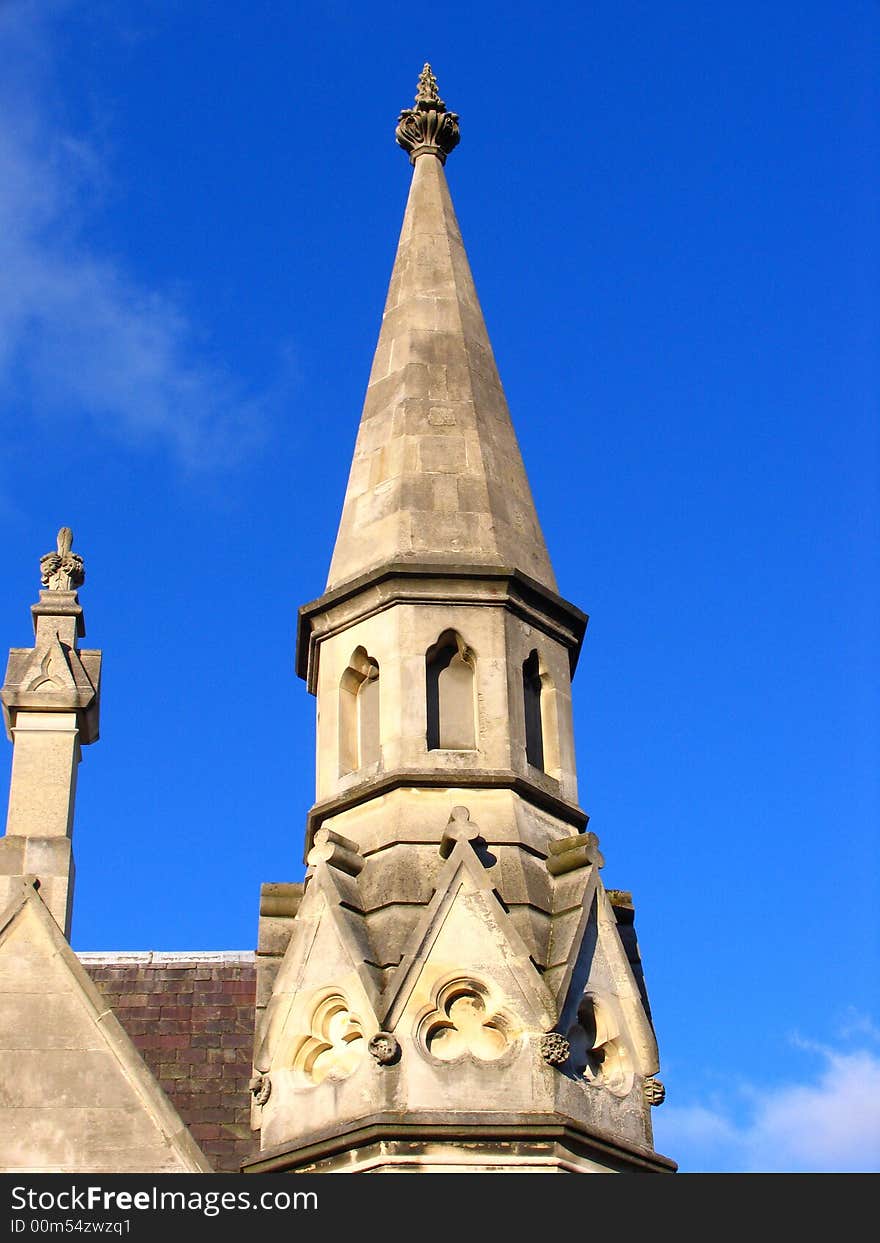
{"x": 75, "y": 1094}
{"x": 397, "y": 638}
{"x": 453, "y": 903}
{"x": 451, "y": 1142}
{"x": 44, "y": 767}
{"x": 434, "y": 362}
{"x": 461, "y": 996}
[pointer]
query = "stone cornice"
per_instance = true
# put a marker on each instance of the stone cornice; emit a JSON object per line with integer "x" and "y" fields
{"x": 73, "y": 687}
{"x": 390, "y": 1127}
{"x": 429, "y": 582}
{"x": 451, "y": 779}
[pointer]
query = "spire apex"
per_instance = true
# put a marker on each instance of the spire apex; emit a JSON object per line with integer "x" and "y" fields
{"x": 427, "y": 94}
{"x": 427, "y": 129}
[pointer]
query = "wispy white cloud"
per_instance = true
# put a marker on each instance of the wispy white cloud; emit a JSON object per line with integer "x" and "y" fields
{"x": 829, "y": 1124}
{"x": 832, "y": 1124}
{"x": 79, "y": 336}
{"x": 855, "y": 1024}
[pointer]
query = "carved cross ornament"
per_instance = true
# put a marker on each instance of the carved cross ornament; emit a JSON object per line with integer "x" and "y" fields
{"x": 427, "y": 129}
{"x": 62, "y": 570}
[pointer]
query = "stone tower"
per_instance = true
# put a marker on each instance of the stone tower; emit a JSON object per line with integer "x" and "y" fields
{"x": 451, "y": 988}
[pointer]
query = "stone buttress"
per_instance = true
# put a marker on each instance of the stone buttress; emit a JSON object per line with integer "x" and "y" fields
{"x": 451, "y": 988}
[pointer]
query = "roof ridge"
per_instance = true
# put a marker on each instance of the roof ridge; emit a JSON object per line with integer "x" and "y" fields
{"x": 165, "y": 956}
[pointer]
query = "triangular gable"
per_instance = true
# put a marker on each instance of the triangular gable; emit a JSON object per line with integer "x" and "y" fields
{"x": 75, "y": 1094}
{"x": 329, "y": 946}
{"x": 599, "y": 967}
{"x": 52, "y": 669}
{"x": 465, "y": 927}
{"x": 49, "y": 668}
{"x": 612, "y": 971}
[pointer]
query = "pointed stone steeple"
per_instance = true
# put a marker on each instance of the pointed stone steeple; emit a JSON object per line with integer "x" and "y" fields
{"x": 451, "y": 988}
{"x": 437, "y": 474}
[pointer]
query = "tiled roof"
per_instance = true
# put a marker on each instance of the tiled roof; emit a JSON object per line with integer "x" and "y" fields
{"x": 192, "y": 1018}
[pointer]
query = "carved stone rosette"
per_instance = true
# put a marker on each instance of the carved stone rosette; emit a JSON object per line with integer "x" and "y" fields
{"x": 427, "y": 129}
{"x": 384, "y": 1047}
{"x": 655, "y": 1092}
{"x": 555, "y": 1049}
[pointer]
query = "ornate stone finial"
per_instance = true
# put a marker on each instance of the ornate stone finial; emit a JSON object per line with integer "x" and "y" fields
{"x": 427, "y": 94}
{"x": 62, "y": 570}
{"x": 427, "y": 129}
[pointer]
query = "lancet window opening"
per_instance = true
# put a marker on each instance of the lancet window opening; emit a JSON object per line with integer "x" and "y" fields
{"x": 359, "y": 738}
{"x": 450, "y": 685}
{"x": 540, "y": 713}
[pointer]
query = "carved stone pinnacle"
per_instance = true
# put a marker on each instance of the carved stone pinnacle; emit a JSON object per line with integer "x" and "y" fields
{"x": 427, "y": 129}
{"x": 62, "y": 570}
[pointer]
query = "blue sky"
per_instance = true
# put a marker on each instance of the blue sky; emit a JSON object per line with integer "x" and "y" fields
{"x": 670, "y": 211}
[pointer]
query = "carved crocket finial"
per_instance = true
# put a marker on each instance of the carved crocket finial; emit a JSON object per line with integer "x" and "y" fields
{"x": 427, "y": 129}
{"x": 427, "y": 93}
{"x": 62, "y": 570}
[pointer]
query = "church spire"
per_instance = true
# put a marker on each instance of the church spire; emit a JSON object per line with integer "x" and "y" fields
{"x": 437, "y": 475}
{"x": 450, "y": 987}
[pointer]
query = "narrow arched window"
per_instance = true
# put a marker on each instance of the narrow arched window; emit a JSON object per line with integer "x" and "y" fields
{"x": 359, "y": 743}
{"x": 541, "y": 711}
{"x": 531, "y": 674}
{"x": 368, "y": 718}
{"x": 449, "y": 685}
